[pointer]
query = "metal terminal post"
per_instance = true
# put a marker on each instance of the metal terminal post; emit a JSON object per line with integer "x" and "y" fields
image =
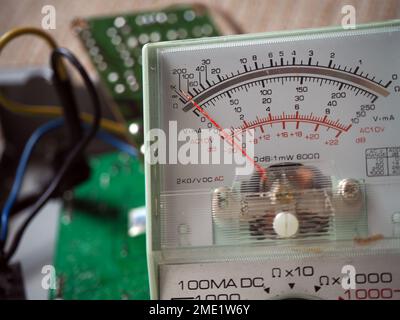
{"x": 349, "y": 189}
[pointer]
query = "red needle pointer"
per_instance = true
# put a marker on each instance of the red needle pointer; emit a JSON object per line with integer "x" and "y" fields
{"x": 262, "y": 171}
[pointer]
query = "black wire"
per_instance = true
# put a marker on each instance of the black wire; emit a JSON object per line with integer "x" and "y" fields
{"x": 19, "y": 207}
{"x": 24, "y": 203}
{"x": 66, "y": 95}
{"x": 72, "y": 155}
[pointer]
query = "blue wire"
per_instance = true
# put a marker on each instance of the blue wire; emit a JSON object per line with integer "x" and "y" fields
{"x": 29, "y": 146}
{"x": 23, "y": 163}
{"x": 117, "y": 143}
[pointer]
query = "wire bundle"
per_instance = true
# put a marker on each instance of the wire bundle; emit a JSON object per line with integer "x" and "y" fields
{"x": 63, "y": 85}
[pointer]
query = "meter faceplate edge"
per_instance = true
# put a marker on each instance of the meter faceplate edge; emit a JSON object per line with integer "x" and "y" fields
{"x": 151, "y": 102}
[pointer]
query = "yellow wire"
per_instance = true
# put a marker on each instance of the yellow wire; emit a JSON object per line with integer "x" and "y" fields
{"x": 51, "y": 111}
{"x": 17, "y": 32}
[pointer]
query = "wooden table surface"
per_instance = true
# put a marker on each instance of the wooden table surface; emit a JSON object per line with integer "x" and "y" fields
{"x": 251, "y": 15}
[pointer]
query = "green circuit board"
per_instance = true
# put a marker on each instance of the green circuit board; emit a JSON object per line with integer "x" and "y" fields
{"x": 114, "y": 45}
{"x": 95, "y": 258}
